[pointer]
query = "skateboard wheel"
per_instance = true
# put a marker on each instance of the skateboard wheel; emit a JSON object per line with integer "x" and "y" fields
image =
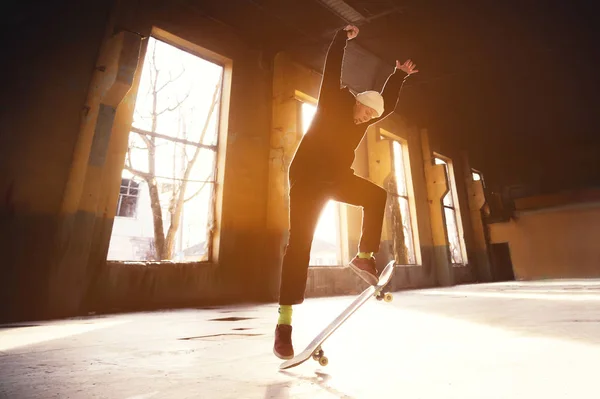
{"x": 323, "y": 361}
{"x": 388, "y": 297}
{"x": 379, "y": 297}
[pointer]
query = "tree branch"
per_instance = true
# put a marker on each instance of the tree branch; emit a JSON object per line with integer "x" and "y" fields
{"x": 196, "y": 193}
{"x": 173, "y": 108}
{"x": 136, "y": 147}
{"x": 144, "y": 137}
{"x": 153, "y": 76}
{"x": 171, "y": 80}
{"x": 144, "y": 133}
{"x": 138, "y": 173}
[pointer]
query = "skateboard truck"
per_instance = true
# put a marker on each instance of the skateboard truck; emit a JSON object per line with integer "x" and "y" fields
{"x": 319, "y": 356}
{"x": 386, "y": 297}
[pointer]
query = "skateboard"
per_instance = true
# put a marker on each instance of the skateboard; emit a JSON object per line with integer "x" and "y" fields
{"x": 314, "y": 349}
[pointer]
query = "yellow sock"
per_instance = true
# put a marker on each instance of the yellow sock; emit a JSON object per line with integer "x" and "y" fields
{"x": 365, "y": 255}
{"x": 285, "y": 314}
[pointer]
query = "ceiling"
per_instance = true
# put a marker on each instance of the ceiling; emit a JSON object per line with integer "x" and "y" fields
{"x": 514, "y": 83}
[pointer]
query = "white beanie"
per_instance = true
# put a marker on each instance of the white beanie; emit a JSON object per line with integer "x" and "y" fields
{"x": 371, "y": 99}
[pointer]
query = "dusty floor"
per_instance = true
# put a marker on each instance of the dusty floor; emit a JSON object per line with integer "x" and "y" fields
{"x": 507, "y": 340}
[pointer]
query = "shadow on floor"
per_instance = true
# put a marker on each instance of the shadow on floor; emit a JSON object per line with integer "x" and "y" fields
{"x": 321, "y": 379}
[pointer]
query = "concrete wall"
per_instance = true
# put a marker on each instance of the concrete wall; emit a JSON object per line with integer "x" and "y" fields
{"x": 47, "y": 69}
{"x": 293, "y": 84}
{"x": 63, "y": 146}
{"x": 553, "y": 236}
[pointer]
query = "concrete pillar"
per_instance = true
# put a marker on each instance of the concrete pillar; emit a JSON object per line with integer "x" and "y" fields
{"x": 113, "y": 78}
{"x": 476, "y": 198}
{"x": 109, "y": 185}
{"x": 437, "y": 188}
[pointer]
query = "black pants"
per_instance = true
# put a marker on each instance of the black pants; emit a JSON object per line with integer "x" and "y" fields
{"x": 308, "y": 195}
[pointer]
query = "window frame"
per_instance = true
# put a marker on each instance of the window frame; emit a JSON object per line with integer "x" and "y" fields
{"x": 410, "y": 194}
{"x": 222, "y": 125}
{"x": 455, "y": 208}
{"x": 130, "y": 180}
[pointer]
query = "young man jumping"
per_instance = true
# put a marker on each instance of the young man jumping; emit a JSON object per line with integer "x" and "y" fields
{"x": 322, "y": 170}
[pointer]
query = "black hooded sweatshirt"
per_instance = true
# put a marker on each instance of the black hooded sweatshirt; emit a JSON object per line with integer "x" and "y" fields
{"x": 327, "y": 148}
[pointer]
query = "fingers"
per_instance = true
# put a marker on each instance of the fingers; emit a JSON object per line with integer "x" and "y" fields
{"x": 352, "y": 31}
{"x": 408, "y": 66}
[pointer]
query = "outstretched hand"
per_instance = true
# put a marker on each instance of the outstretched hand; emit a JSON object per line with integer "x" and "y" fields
{"x": 408, "y": 67}
{"x": 352, "y": 31}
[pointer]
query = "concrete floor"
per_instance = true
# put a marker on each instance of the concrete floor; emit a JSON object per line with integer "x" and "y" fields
{"x": 507, "y": 340}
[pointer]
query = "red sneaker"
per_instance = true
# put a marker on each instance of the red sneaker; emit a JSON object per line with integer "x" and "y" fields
{"x": 365, "y": 268}
{"x": 283, "y": 347}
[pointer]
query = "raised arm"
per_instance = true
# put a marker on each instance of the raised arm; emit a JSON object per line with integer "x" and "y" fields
{"x": 332, "y": 72}
{"x": 393, "y": 84}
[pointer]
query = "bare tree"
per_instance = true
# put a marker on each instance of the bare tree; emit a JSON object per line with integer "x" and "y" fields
{"x": 164, "y": 244}
{"x": 394, "y": 218}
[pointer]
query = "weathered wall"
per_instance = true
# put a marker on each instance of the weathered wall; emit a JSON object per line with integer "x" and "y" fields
{"x": 51, "y": 57}
{"x": 127, "y": 286}
{"x": 243, "y": 145}
{"x": 62, "y": 147}
{"x": 449, "y": 274}
{"x": 63, "y": 144}
{"x": 553, "y": 236}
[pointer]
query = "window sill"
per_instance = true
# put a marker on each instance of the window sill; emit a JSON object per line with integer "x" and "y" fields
{"x": 165, "y": 263}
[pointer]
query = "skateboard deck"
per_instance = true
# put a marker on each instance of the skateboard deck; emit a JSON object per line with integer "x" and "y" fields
{"x": 314, "y": 349}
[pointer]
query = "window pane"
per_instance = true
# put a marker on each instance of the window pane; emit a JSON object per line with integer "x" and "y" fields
{"x": 448, "y": 199}
{"x": 324, "y": 250}
{"x": 182, "y": 109}
{"x": 308, "y": 113}
{"x": 193, "y": 239}
{"x": 399, "y": 171}
{"x": 453, "y": 238}
{"x": 476, "y": 176}
{"x": 127, "y": 206}
{"x": 124, "y": 186}
{"x": 407, "y": 228}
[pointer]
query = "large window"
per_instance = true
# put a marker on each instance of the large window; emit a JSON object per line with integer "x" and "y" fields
{"x": 168, "y": 179}
{"x": 403, "y": 195}
{"x": 325, "y": 248}
{"x": 452, "y": 215}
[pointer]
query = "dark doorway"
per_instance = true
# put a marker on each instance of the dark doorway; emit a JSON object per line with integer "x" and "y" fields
{"x": 502, "y": 268}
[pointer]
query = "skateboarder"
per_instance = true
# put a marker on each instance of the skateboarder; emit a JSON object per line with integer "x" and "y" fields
{"x": 322, "y": 170}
